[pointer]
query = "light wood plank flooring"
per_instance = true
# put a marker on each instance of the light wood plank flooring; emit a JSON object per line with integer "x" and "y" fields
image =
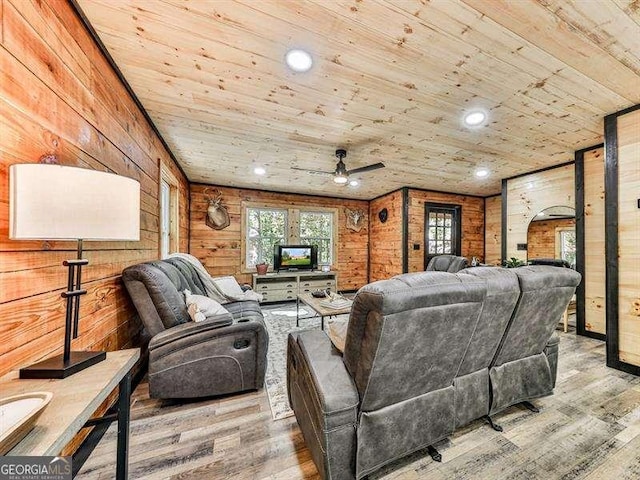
{"x": 589, "y": 429}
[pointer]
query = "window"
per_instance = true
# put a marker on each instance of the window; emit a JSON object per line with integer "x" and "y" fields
{"x": 316, "y": 228}
{"x": 168, "y": 213}
{"x": 567, "y": 246}
{"x": 267, "y": 226}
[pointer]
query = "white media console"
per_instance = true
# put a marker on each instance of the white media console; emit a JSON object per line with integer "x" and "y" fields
{"x": 283, "y": 286}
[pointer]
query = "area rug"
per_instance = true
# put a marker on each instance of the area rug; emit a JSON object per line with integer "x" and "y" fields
{"x": 280, "y": 321}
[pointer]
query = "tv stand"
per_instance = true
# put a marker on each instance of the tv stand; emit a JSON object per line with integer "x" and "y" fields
{"x": 286, "y": 285}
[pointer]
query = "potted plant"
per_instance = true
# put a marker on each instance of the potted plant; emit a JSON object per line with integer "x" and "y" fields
{"x": 262, "y": 267}
{"x": 514, "y": 262}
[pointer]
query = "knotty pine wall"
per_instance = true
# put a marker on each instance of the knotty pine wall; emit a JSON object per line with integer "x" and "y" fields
{"x": 58, "y": 95}
{"x": 385, "y": 258}
{"x": 541, "y": 237}
{"x": 220, "y": 251}
{"x": 472, "y": 224}
{"x": 629, "y": 237}
{"x": 594, "y": 249}
{"x": 530, "y": 194}
{"x": 493, "y": 230}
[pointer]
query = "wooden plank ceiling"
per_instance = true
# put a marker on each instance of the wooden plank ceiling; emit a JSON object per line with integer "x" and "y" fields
{"x": 391, "y": 81}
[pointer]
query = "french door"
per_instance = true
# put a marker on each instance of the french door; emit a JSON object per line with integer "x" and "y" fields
{"x": 442, "y": 230}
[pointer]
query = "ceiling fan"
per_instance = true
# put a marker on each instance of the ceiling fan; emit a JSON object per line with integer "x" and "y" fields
{"x": 341, "y": 174}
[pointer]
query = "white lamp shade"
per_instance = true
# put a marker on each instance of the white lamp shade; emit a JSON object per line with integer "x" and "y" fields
{"x": 56, "y": 202}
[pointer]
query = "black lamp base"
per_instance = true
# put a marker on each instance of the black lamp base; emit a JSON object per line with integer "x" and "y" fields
{"x": 55, "y": 367}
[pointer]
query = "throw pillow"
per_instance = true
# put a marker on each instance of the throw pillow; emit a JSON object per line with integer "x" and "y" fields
{"x": 201, "y": 307}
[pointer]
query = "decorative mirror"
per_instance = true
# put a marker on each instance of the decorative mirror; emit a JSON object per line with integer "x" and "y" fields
{"x": 383, "y": 214}
{"x": 552, "y": 235}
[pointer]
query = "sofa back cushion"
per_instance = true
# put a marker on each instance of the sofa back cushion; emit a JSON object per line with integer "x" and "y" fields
{"x": 447, "y": 263}
{"x": 189, "y": 274}
{"x": 407, "y": 335}
{"x": 545, "y": 293}
{"x": 503, "y": 291}
{"x": 156, "y": 290}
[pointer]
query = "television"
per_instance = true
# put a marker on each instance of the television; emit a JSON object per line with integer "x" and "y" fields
{"x": 295, "y": 257}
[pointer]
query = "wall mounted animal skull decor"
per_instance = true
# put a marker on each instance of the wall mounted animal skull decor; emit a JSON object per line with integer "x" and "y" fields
{"x": 217, "y": 214}
{"x": 355, "y": 219}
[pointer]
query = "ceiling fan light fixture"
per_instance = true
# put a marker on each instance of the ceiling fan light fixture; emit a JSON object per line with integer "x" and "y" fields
{"x": 474, "y": 118}
{"x": 340, "y": 179}
{"x": 299, "y": 60}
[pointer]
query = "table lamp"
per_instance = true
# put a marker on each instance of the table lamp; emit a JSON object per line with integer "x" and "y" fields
{"x": 56, "y": 202}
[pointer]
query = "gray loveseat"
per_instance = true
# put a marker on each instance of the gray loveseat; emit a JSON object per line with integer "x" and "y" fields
{"x": 425, "y": 353}
{"x": 222, "y": 354}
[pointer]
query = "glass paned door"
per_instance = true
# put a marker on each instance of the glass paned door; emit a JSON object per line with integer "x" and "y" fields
{"x": 441, "y": 231}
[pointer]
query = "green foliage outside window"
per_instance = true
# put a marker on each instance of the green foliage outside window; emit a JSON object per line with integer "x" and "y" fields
{"x": 265, "y": 228}
{"x": 316, "y": 228}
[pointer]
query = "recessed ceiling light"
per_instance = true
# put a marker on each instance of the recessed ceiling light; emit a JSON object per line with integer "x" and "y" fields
{"x": 259, "y": 171}
{"x": 299, "y": 60}
{"x": 354, "y": 183}
{"x": 475, "y": 118}
{"x": 541, "y": 214}
{"x": 481, "y": 173}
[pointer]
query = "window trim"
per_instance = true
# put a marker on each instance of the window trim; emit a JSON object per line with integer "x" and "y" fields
{"x": 559, "y": 231}
{"x": 174, "y": 231}
{"x": 292, "y": 229}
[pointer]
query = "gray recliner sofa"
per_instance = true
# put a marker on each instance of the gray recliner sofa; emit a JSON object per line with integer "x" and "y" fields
{"x": 222, "y": 354}
{"x": 425, "y": 353}
{"x": 447, "y": 263}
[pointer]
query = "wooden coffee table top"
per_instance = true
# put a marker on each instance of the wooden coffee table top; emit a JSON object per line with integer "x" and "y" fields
{"x": 321, "y": 310}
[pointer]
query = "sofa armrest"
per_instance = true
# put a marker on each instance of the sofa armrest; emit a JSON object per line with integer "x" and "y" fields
{"x": 190, "y": 329}
{"x": 317, "y": 359}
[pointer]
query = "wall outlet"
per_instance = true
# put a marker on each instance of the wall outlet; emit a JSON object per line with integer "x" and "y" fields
{"x": 416, "y": 246}
{"x": 522, "y": 246}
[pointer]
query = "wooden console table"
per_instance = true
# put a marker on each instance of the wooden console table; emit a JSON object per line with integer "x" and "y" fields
{"x": 75, "y": 399}
{"x": 284, "y": 286}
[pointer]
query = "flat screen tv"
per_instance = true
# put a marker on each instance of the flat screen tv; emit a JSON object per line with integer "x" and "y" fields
{"x": 295, "y": 257}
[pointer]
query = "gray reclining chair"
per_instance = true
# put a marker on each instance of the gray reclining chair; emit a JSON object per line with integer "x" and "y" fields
{"x": 220, "y": 355}
{"x": 473, "y": 396}
{"x": 526, "y": 362}
{"x": 447, "y": 263}
{"x": 393, "y": 392}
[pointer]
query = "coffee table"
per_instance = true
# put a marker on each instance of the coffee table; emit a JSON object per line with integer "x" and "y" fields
{"x": 315, "y": 305}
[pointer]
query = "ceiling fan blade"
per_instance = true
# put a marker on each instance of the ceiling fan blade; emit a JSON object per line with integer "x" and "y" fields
{"x": 368, "y": 168}
{"x": 312, "y": 172}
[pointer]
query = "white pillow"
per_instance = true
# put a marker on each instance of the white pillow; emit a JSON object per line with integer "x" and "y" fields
{"x": 201, "y": 307}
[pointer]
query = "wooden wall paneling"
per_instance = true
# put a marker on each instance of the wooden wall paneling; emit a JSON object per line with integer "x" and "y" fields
{"x": 527, "y": 195}
{"x": 472, "y": 224}
{"x": 628, "y": 130}
{"x": 493, "y": 230}
{"x": 221, "y": 250}
{"x": 594, "y": 245}
{"x": 59, "y": 95}
{"x": 542, "y": 237}
{"x": 386, "y": 245}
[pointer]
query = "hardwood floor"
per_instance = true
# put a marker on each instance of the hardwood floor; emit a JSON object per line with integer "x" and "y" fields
{"x": 589, "y": 429}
